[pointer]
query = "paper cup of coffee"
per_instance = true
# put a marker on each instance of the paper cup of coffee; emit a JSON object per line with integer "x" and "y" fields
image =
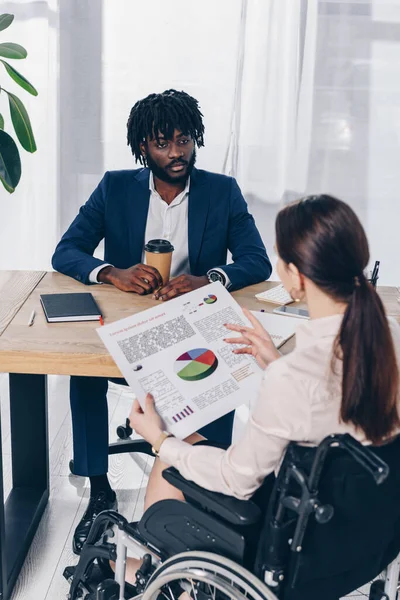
{"x": 159, "y": 255}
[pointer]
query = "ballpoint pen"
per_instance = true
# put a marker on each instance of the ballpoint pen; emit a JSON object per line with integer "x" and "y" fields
{"x": 374, "y": 276}
{"x": 31, "y": 319}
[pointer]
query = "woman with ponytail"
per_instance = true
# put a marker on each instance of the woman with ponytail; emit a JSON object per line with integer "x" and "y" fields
{"x": 343, "y": 376}
{"x": 323, "y": 253}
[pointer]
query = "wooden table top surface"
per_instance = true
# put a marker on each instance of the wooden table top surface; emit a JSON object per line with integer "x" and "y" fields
{"x": 75, "y": 348}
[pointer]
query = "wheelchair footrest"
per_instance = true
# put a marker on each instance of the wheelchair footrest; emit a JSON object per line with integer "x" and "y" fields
{"x": 91, "y": 582}
{"x": 108, "y": 590}
{"x": 96, "y": 587}
{"x": 89, "y": 585}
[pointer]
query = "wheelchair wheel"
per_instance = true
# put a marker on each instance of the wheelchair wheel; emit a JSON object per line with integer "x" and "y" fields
{"x": 205, "y": 576}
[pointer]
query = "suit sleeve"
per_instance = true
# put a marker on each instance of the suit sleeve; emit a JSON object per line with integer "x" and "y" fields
{"x": 73, "y": 255}
{"x": 250, "y": 260}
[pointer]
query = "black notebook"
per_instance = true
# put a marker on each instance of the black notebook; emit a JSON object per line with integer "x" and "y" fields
{"x": 70, "y": 307}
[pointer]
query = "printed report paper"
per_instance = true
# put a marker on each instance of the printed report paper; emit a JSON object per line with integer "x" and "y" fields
{"x": 176, "y": 351}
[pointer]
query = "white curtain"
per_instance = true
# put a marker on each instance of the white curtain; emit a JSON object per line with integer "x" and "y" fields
{"x": 298, "y": 96}
{"x": 272, "y": 115}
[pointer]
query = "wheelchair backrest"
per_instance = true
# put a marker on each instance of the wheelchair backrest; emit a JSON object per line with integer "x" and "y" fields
{"x": 365, "y": 526}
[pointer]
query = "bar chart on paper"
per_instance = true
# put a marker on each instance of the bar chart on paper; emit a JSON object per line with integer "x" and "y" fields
{"x": 196, "y": 364}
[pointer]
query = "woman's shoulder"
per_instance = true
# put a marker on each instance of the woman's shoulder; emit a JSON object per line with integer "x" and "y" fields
{"x": 305, "y": 374}
{"x": 287, "y": 371}
{"x": 395, "y": 331}
{"x": 280, "y": 367}
{"x": 284, "y": 405}
{"x": 307, "y": 362}
{"x": 394, "y": 326}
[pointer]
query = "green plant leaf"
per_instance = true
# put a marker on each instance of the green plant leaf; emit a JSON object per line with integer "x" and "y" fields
{"x": 1, "y": 122}
{"x": 21, "y": 122}
{"x": 10, "y": 50}
{"x": 5, "y": 21}
{"x": 10, "y": 162}
{"x": 20, "y": 79}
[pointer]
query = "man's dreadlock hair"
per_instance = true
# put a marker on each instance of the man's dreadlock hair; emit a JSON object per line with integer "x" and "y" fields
{"x": 162, "y": 113}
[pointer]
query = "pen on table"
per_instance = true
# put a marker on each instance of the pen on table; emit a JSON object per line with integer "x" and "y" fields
{"x": 101, "y": 320}
{"x": 374, "y": 276}
{"x": 31, "y": 319}
{"x": 374, "y": 270}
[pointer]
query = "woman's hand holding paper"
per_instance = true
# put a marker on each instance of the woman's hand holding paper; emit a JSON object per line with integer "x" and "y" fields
{"x": 147, "y": 423}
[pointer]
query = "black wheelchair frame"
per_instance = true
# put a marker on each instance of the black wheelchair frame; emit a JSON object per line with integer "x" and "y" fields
{"x": 212, "y": 522}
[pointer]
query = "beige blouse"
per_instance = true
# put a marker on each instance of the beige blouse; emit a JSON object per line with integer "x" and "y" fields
{"x": 299, "y": 400}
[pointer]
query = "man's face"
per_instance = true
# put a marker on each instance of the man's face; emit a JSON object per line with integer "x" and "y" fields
{"x": 170, "y": 160}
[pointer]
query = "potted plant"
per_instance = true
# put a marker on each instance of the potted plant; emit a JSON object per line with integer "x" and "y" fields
{"x": 10, "y": 162}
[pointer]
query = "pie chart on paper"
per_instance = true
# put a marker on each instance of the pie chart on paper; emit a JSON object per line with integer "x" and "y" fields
{"x": 211, "y": 298}
{"x": 196, "y": 364}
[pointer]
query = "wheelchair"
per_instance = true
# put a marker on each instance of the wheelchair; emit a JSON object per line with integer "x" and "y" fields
{"x": 331, "y": 524}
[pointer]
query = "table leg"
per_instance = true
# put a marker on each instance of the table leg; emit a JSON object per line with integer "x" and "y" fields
{"x": 20, "y": 517}
{"x": 3, "y": 551}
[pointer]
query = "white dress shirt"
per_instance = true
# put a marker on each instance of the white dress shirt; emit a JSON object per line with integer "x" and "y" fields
{"x": 168, "y": 222}
{"x": 299, "y": 400}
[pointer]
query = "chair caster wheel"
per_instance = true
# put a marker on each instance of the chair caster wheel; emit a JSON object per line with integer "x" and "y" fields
{"x": 377, "y": 592}
{"x": 124, "y": 431}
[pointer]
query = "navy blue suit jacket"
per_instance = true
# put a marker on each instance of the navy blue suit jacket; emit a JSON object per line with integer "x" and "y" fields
{"x": 117, "y": 210}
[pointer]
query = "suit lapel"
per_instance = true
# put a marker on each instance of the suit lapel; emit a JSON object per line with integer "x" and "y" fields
{"x": 199, "y": 202}
{"x": 139, "y": 197}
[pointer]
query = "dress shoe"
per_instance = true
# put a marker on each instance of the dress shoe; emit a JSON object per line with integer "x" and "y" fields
{"x": 97, "y": 504}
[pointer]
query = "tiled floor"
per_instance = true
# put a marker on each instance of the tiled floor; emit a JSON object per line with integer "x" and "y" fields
{"x": 41, "y": 577}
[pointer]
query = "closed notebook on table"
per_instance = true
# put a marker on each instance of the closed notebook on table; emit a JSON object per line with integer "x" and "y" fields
{"x": 59, "y": 308}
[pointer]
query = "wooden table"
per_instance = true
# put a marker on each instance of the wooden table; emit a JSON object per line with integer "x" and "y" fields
{"x": 76, "y": 349}
{"x": 29, "y": 354}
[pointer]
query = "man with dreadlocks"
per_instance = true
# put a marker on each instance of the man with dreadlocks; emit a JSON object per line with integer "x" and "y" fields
{"x": 203, "y": 214}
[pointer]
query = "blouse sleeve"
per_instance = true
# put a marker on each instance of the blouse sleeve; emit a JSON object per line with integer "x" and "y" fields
{"x": 281, "y": 414}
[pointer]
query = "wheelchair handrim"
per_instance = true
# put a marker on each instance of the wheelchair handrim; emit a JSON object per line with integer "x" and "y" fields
{"x": 215, "y": 564}
{"x": 153, "y": 591}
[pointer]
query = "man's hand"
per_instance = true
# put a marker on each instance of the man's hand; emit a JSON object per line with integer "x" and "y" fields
{"x": 180, "y": 285}
{"x": 140, "y": 279}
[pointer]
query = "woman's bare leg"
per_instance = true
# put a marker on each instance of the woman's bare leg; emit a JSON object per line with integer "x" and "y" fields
{"x": 157, "y": 489}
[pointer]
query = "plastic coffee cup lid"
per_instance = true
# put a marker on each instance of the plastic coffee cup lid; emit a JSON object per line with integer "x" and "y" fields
{"x": 159, "y": 246}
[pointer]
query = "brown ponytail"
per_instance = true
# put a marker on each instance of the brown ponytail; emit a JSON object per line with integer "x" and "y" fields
{"x": 323, "y": 237}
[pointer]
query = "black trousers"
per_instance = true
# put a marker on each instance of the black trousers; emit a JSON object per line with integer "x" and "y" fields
{"x": 88, "y": 397}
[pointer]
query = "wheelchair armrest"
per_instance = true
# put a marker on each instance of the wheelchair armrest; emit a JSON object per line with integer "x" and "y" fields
{"x": 236, "y": 512}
